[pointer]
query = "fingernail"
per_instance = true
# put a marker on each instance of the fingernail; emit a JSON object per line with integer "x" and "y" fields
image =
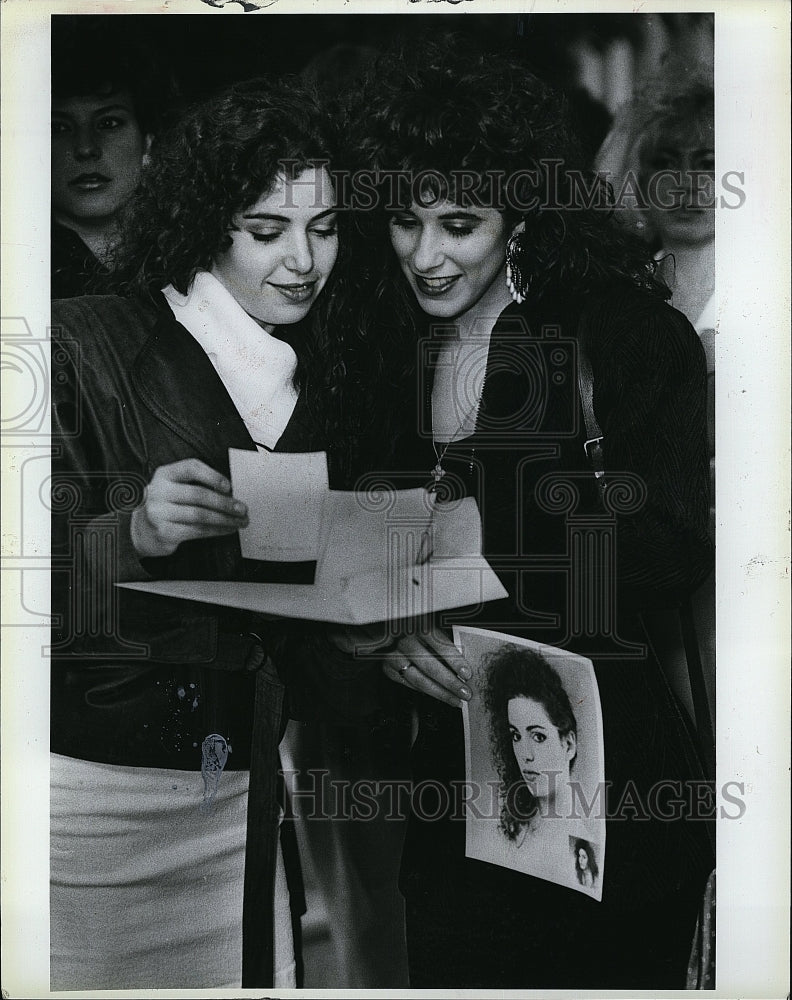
{"x": 466, "y": 672}
{"x": 240, "y": 508}
{"x": 225, "y": 486}
{"x": 465, "y": 693}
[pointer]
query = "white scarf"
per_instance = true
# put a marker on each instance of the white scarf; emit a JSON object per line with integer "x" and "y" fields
{"x": 256, "y": 368}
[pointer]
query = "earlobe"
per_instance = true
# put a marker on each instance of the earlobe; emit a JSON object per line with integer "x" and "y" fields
{"x": 571, "y": 742}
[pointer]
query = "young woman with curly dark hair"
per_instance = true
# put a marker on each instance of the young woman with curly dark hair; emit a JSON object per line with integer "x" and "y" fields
{"x": 500, "y": 260}
{"x": 164, "y": 713}
{"x": 586, "y": 867}
{"x": 534, "y": 767}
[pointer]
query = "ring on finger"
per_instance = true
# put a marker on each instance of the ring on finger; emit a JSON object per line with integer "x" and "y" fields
{"x": 404, "y": 668}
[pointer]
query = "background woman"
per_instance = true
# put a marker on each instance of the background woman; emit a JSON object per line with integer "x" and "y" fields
{"x": 162, "y": 710}
{"x": 511, "y": 268}
{"x": 108, "y": 100}
{"x": 665, "y": 138}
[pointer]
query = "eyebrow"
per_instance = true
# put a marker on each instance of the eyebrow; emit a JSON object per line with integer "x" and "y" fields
{"x": 461, "y": 214}
{"x": 99, "y": 111}
{"x": 457, "y": 213}
{"x": 270, "y": 217}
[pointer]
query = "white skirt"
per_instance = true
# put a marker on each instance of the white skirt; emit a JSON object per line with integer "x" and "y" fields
{"x": 146, "y": 886}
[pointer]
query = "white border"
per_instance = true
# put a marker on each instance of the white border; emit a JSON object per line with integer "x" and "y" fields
{"x": 752, "y": 135}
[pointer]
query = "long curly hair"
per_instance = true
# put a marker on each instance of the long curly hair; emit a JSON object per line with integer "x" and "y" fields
{"x": 219, "y": 158}
{"x": 583, "y": 845}
{"x": 445, "y": 106}
{"x": 519, "y": 672}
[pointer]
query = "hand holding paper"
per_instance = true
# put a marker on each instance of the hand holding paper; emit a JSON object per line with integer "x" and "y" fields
{"x": 384, "y": 556}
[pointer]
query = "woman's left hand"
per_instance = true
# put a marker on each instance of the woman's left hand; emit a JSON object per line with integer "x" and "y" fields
{"x": 429, "y": 663}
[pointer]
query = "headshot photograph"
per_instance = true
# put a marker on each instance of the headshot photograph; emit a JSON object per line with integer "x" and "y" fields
{"x": 534, "y": 735}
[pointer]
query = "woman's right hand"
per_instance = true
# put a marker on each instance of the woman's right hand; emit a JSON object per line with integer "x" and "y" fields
{"x": 430, "y": 663}
{"x": 184, "y": 500}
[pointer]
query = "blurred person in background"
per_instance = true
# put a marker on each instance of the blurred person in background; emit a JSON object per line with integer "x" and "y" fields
{"x": 107, "y": 101}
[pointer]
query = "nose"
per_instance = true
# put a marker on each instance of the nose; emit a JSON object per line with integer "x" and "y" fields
{"x": 428, "y": 253}
{"x": 299, "y": 256}
{"x": 86, "y": 144}
{"x": 529, "y": 751}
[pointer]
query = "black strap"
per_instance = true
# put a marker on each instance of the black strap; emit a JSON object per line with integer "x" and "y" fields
{"x": 263, "y": 815}
{"x": 595, "y": 453}
{"x": 594, "y": 436}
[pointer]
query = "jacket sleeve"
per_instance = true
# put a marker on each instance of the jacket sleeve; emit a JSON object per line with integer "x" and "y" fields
{"x": 650, "y": 392}
{"x": 98, "y": 478}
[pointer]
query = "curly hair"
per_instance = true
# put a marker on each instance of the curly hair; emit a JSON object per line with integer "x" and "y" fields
{"x": 449, "y": 109}
{"x": 583, "y": 845}
{"x": 219, "y": 158}
{"x": 670, "y": 112}
{"x": 519, "y": 672}
{"x": 445, "y": 109}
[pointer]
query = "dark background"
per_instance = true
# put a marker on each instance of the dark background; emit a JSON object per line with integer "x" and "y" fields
{"x": 189, "y": 56}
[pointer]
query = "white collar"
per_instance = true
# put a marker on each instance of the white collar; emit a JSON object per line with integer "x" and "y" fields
{"x": 256, "y": 368}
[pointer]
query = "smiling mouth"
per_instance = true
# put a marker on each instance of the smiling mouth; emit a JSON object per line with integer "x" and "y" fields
{"x": 89, "y": 182}
{"x": 301, "y": 292}
{"x": 435, "y": 286}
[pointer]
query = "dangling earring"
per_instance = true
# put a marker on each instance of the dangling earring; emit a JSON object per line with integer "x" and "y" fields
{"x": 516, "y": 281}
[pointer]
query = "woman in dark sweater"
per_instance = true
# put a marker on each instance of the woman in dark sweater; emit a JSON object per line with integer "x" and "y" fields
{"x": 503, "y": 268}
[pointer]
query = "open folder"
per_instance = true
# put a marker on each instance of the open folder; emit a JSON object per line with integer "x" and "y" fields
{"x": 380, "y": 555}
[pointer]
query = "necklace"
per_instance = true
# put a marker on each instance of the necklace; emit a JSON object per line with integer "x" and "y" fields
{"x": 438, "y": 472}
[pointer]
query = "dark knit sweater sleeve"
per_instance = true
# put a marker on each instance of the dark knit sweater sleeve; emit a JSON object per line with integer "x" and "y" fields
{"x": 650, "y": 392}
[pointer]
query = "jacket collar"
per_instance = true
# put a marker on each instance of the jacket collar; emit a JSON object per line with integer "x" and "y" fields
{"x": 178, "y": 384}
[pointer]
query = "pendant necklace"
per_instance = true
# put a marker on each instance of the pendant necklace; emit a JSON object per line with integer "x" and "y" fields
{"x": 438, "y": 472}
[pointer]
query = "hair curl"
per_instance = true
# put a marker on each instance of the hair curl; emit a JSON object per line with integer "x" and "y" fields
{"x": 518, "y": 672}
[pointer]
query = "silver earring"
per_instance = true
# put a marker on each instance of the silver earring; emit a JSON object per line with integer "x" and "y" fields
{"x": 516, "y": 281}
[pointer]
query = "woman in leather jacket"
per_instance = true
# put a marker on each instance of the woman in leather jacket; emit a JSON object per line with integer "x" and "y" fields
{"x": 166, "y": 715}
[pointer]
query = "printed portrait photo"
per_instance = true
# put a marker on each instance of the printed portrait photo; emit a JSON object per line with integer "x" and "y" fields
{"x": 535, "y": 760}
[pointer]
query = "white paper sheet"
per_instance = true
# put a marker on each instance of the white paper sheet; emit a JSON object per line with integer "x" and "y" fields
{"x": 416, "y": 562}
{"x": 284, "y": 493}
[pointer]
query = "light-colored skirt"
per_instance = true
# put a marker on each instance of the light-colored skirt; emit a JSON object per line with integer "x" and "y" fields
{"x": 146, "y": 886}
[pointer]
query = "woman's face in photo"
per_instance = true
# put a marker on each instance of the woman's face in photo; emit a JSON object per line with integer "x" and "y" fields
{"x": 583, "y": 861}
{"x": 542, "y": 754}
{"x": 678, "y": 179}
{"x": 97, "y": 154}
{"x": 450, "y": 255}
{"x": 283, "y": 249}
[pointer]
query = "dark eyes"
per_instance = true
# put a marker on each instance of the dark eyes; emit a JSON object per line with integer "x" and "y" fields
{"x": 704, "y": 161}
{"x": 111, "y": 122}
{"x": 536, "y": 737}
{"x": 108, "y": 123}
